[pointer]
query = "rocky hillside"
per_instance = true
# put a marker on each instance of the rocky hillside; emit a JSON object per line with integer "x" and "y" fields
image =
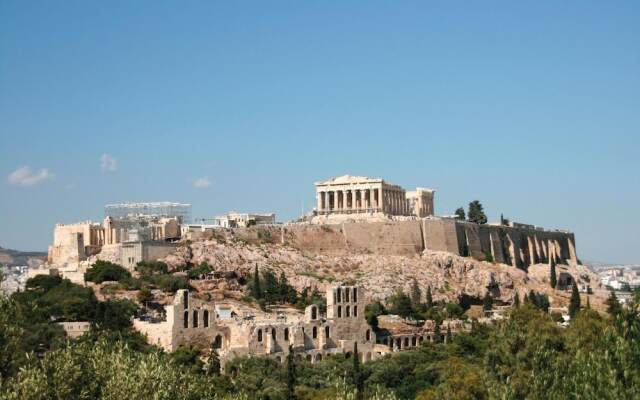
{"x": 382, "y": 275}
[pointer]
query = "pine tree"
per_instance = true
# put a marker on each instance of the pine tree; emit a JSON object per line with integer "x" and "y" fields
{"x": 516, "y": 300}
{"x": 357, "y": 373}
{"x": 553, "y": 279}
{"x": 291, "y": 375}
{"x": 449, "y": 333}
{"x": 429, "y": 297}
{"x": 416, "y": 294}
{"x": 574, "y": 302}
{"x": 476, "y": 213}
{"x": 460, "y": 213}
{"x": 256, "y": 290}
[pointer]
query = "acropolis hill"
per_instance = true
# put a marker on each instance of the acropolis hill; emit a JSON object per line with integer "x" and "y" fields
{"x": 365, "y": 234}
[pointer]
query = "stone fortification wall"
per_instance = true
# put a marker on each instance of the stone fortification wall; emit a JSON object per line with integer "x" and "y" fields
{"x": 519, "y": 246}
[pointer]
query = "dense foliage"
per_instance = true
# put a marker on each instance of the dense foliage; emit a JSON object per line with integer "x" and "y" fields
{"x": 527, "y": 356}
{"x": 102, "y": 271}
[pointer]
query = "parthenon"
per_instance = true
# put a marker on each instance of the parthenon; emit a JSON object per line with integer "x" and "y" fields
{"x": 357, "y": 194}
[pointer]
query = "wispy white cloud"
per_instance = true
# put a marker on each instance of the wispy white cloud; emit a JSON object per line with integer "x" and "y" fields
{"x": 202, "y": 183}
{"x": 108, "y": 163}
{"x": 25, "y": 177}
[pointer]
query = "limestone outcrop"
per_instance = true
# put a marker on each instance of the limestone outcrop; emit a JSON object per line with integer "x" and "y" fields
{"x": 449, "y": 275}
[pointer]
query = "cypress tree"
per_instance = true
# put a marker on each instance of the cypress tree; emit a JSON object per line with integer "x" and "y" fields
{"x": 357, "y": 373}
{"x": 516, "y": 300}
{"x": 256, "y": 290}
{"x": 213, "y": 363}
{"x": 574, "y": 302}
{"x": 291, "y": 375}
{"x": 437, "y": 337}
{"x": 283, "y": 287}
{"x": 416, "y": 294}
{"x": 429, "y": 298}
{"x": 448, "y": 333}
{"x": 553, "y": 279}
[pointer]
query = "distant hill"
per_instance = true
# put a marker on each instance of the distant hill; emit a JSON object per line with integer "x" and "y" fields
{"x": 11, "y": 258}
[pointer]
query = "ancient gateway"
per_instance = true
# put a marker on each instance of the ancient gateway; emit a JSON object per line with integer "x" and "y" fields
{"x": 357, "y": 194}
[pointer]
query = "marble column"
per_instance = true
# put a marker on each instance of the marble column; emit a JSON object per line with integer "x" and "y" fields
{"x": 319, "y": 200}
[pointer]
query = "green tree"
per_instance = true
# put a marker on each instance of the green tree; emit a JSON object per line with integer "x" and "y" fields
{"x": 449, "y": 333}
{"x": 358, "y": 378}
{"x": 613, "y": 305}
{"x": 291, "y": 375}
{"x": 416, "y": 294}
{"x": 437, "y": 335}
{"x": 102, "y": 271}
{"x": 516, "y": 300}
{"x": 283, "y": 287}
{"x": 460, "y": 213}
{"x": 574, "y": 302}
{"x": 256, "y": 290}
{"x": 476, "y": 213}
{"x": 487, "y": 301}
{"x": 372, "y": 311}
{"x": 213, "y": 362}
{"x": 553, "y": 278}
{"x": 400, "y": 304}
{"x": 429, "y": 299}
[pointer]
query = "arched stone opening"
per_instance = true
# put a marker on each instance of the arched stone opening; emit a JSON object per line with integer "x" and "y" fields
{"x": 217, "y": 342}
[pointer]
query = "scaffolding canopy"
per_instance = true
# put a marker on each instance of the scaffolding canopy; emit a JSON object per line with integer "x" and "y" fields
{"x": 152, "y": 209}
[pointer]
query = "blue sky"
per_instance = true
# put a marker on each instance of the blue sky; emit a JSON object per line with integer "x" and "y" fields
{"x": 532, "y": 108}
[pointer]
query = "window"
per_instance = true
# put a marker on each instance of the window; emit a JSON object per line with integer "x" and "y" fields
{"x": 406, "y": 342}
{"x": 205, "y": 318}
{"x": 414, "y": 341}
{"x": 217, "y": 342}
{"x": 273, "y": 333}
{"x": 195, "y": 318}
{"x": 346, "y": 295}
{"x": 259, "y": 335}
{"x": 355, "y": 311}
{"x": 186, "y": 319}
{"x": 185, "y": 298}
{"x": 326, "y": 332}
{"x": 348, "y": 312}
{"x": 286, "y": 333}
{"x": 367, "y": 335}
{"x": 315, "y": 332}
{"x": 355, "y": 295}
{"x": 314, "y": 312}
{"x": 339, "y": 294}
{"x": 339, "y": 312}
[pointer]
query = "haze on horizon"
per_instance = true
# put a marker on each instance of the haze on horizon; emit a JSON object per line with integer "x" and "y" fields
{"x": 530, "y": 108}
